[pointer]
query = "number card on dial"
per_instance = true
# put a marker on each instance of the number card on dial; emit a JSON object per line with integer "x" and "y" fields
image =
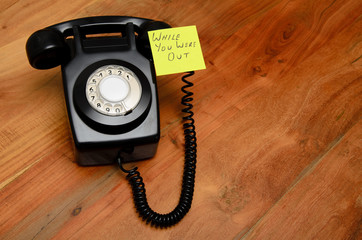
{"x": 176, "y": 50}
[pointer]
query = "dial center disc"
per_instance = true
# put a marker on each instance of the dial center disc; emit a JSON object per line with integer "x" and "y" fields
{"x": 114, "y": 88}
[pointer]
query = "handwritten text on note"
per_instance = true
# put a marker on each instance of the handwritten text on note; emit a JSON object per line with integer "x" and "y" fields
{"x": 176, "y": 50}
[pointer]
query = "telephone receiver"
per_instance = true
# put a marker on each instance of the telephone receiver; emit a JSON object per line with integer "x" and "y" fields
{"x": 111, "y": 97}
{"x": 52, "y": 46}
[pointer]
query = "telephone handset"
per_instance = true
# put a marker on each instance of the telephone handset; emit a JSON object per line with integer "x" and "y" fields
{"x": 111, "y": 97}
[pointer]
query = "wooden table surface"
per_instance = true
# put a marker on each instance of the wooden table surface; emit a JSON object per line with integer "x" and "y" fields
{"x": 278, "y": 117}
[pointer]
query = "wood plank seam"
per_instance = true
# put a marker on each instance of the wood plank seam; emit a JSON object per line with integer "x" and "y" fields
{"x": 24, "y": 170}
{"x": 304, "y": 173}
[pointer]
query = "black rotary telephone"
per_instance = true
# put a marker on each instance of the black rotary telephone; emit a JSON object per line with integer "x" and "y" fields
{"x": 111, "y": 96}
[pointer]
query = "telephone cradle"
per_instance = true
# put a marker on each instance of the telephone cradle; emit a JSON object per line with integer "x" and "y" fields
{"x": 111, "y": 98}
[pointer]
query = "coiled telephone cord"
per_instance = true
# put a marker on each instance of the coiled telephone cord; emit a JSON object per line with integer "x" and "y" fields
{"x": 188, "y": 181}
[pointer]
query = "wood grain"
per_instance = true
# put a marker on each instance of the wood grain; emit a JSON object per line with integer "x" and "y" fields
{"x": 278, "y": 115}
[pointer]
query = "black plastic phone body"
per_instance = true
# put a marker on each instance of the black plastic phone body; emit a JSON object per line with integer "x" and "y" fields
{"x": 99, "y": 138}
{"x": 111, "y": 97}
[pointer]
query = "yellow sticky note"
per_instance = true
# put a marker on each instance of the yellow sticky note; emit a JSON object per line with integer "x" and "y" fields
{"x": 176, "y": 50}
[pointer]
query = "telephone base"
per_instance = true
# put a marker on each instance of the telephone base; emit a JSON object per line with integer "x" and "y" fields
{"x": 105, "y": 156}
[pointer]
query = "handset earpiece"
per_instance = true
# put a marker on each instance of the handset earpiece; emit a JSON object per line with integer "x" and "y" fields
{"x": 143, "y": 43}
{"x": 46, "y": 49}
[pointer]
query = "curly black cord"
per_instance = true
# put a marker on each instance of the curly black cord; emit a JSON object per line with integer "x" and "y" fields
{"x": 188, "y": 181}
